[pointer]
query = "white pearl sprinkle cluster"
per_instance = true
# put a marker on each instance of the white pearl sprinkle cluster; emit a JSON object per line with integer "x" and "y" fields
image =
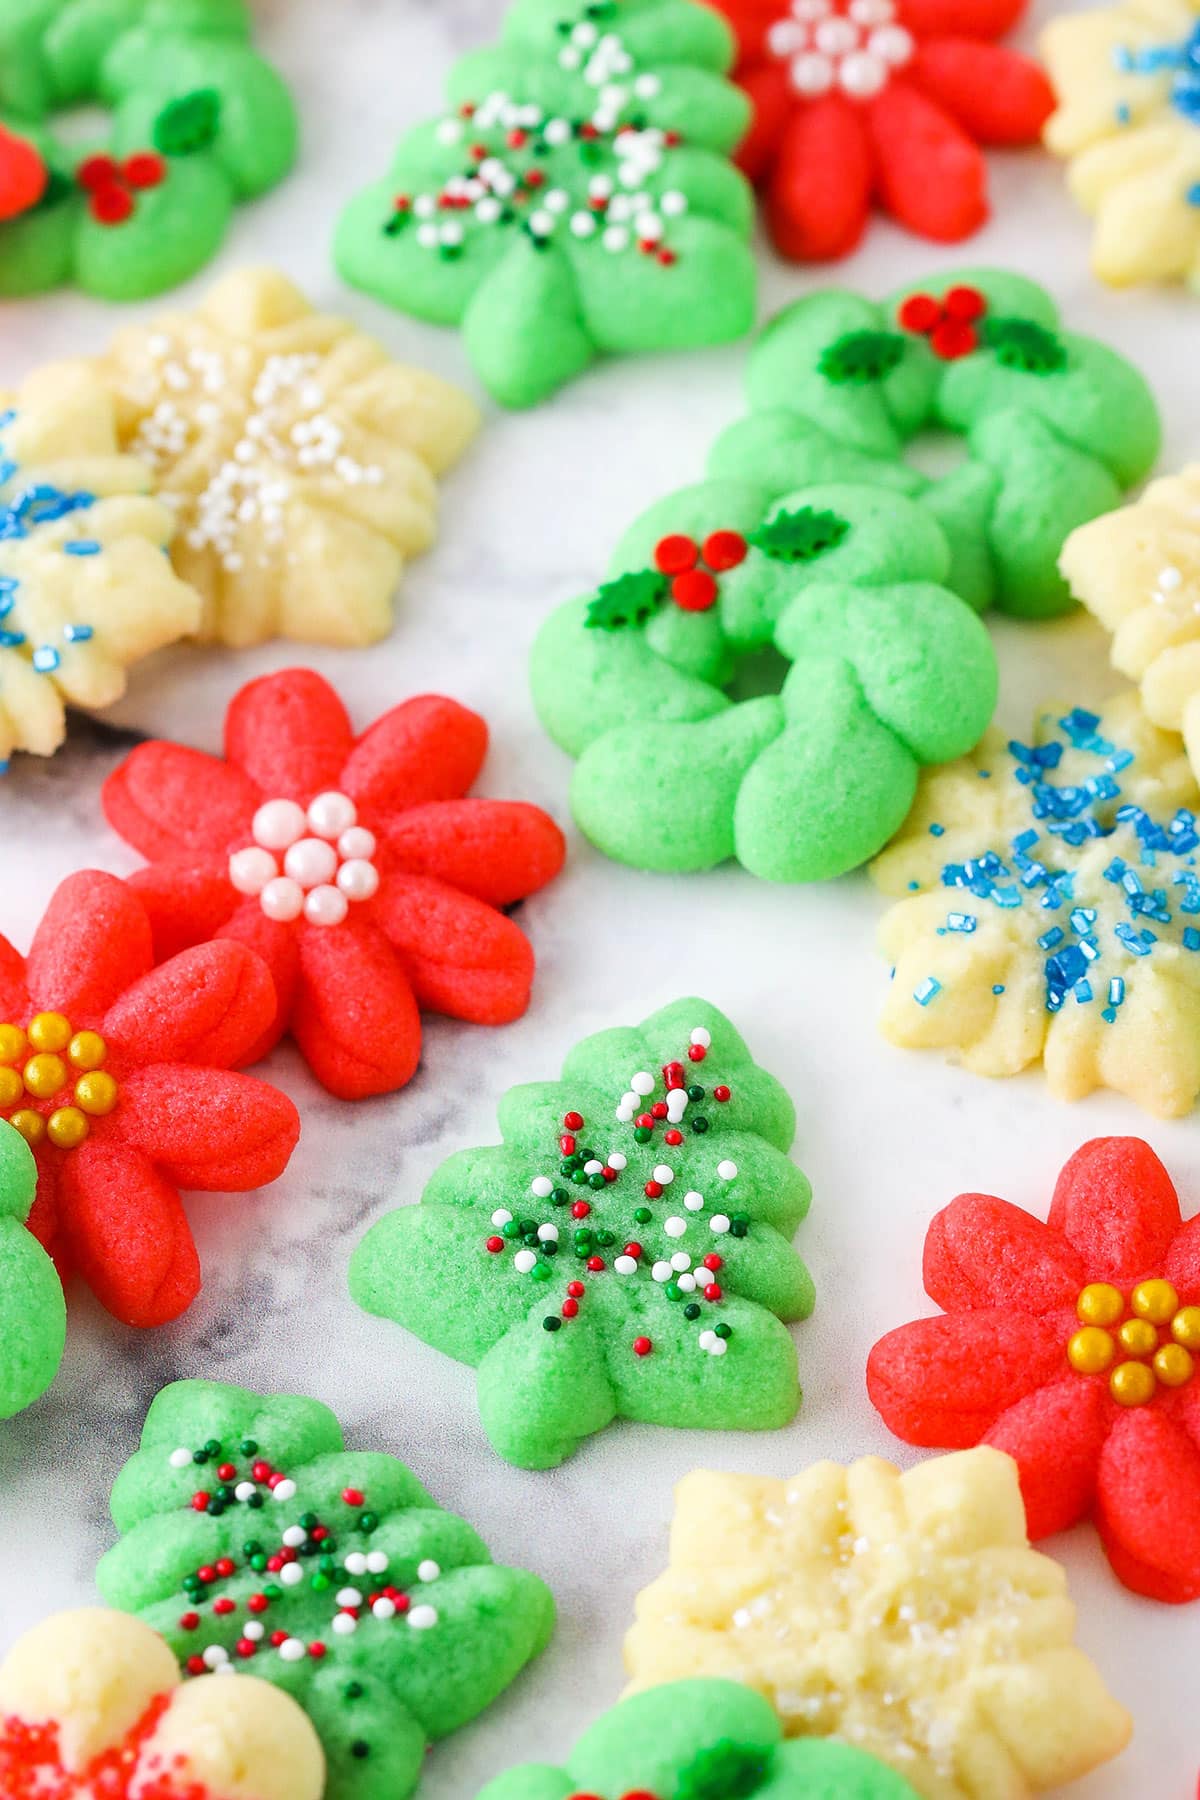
{"x": 193, "y": 399}
{"x": 618, "y": 210}
{"x": 853, "y": 47}
{"x": 603, "y": 60}
{"x": 326, "y": 860}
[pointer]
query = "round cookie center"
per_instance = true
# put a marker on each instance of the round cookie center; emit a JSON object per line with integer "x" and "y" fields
{"x": 315, "y": 862}
{"x": 851, "y": 46}
{"x": 53, "y": 1080}
{"x": 1141, "y": 1343}
{"x": 305, "y": 1580}
{"x": 642, "y": 1232}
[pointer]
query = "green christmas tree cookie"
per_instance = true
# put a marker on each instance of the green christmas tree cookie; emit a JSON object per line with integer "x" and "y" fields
{"x": 700, "y": 1740}
{"x": 33, "y": 1314}
{"x": 199, "y": 122}
{"x": 625, "y": 1253}
{"x": 575, "y": 200}
{"x": 1054, "y": 425}
{"x": 252, "y": 1539}
{"x": 890, "y": 672}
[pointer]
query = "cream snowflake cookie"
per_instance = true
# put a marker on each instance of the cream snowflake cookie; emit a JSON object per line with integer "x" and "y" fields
{"x": 1128, "y": 84}
{"x": 1138, "y": 571}
{"x": 85, "y": 590}
{"x": 1053, "y": 909}
{"x": 904, "y": 1614}
{"x": 91, "y": 1704}
{"x": 298, "y": 457}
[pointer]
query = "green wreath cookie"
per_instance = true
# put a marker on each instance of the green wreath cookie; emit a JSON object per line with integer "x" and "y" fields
{"x": 33, "y": 1313}
{"x": 576, "y": 200}
{"x": 252, "y": 1539}
{"x": 627, "y": 1252}
{"x": 199, "y": 122}
{"x": 889, "y": 671}
{"x": 701, "y": 1740}
{"x": 1054, "y": 425}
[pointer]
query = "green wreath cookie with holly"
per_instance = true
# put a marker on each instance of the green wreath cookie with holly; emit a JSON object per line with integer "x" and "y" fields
{"x": 199, "y": 122}
{"x": 1054, "y": 426}
{"x": 700, "y": 1740}
{"x": 889, "y": 671}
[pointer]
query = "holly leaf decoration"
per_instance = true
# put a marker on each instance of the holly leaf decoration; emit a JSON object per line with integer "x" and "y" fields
{"x": 725, "y": 1771}
{"x": 629, "y": 600}
{"x": 859, "y": 357}
{"x": 800, "y": 536}
{"x": 189, "y": 124}
{"x": 1025, "y": 345}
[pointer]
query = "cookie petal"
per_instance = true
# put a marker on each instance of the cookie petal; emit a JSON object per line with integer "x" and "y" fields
{"x": 208, "y": 1128}
{"x": 983, "y": 1252}
{"x": 290, "y": 734}
{"x": 929, "y": 174}
{"x": 1148, "y": 1505}
{"x": 207, "y": 1006}
{"x": 497, "y": 850}
{"x": 1116, "y": 1204}
{"x": 1056, "y": 1436}
{"x": 426, "y": 749}
{"x": 127, "y": 1234}
{"x": 93, "y": 942}
{"x": 462, "y": 957}
{"x": 819, "y": 190}
{"x": 945, "y": 1382}
{"x": 354, "y": 1015}
{"x": 172, "y": 802}
{"x": 997, "y": 95}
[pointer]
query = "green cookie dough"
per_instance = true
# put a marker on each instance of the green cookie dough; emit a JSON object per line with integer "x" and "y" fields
{"x": 33, "y": 1314}
{"x": 251, "y": 1537}
{"x": 626, "y": 1252}
{"x": 199, "y": 122}
{"x": 1055, "y": 426}
{"x": 890, "y": 671}
{"x": 700, "y": 1740}
{"x": 577, "y": 198}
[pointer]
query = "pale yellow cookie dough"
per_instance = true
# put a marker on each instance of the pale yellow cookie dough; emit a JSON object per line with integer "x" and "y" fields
{"x": 974, "y": 972}
{"x": 1138, "y": 571}
{"x": 85, "y": 589}
{"x": 95, "y": 1676}
{"x": 905, "y": 1614}
{"x": 1134, "y": 153}
{"x": 299, "y": 458}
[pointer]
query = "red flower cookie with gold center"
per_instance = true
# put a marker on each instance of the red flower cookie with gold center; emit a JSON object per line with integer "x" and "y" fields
{"x": 1075, "y": 1347}
{"x": 890, "y": 101}
{"x": 118, "y": 1076}
{"x": 354, "y": 867}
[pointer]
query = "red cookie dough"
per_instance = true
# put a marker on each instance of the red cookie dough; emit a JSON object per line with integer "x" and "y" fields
{"x": 1075, "y": 1347}
{"x": 117, "y": 1074}
{"x": 354, "y": 866}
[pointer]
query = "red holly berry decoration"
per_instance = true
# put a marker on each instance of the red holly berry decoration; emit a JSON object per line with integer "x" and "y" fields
{"x": 111, "y": 185}
{"x": 694, "y": 588}
{"x": 24, "y": 177}
{"x": 950, "y": 324}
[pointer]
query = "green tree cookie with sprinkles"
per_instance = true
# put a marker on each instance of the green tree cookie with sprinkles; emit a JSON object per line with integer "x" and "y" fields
{"x": 199, "y": 123}
{"x": 890, "y": 671}
{"x": 625, "y": 1253}
{"x": 701, "y": 1740}
{"x": 1054, "y": 425}
{"x": 575, "y": 200}
{"x": 252, "y": 1539}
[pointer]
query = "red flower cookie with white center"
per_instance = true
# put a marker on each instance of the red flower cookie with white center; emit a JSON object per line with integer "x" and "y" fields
{"x": 354, "y": 866}
{"x": 117, "y": 1074}
{"x": 91, "y": 1708}
{"x": 1075, "y": 1347}
{"x": 879, "y": 100}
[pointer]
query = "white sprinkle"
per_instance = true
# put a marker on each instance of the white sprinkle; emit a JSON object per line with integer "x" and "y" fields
{"x": 694, "y": 1201}
{"x": 349, "y": 1597}
{"x": 675, "y": 1227}
{"x": 662, "y": 1271}
{"x": 686, "y": 1280}
{"x": 291, "y": 1650}
{"x": 719, "y": 1223}
{"x": 524, "y": 1260}
{"x": 625, "y": 1265}
{"x": 214, "y": 1656}
{"x": 179, "y": 1459}
{"x": 345, "y": 1624}
{"x": 285, "y": 1490}
{"x": 593, "y": 1167}
{"x": 422, "y": 1617}
{"x": 291, "y": 1574}
{"x": 702, "y": 1036}
{"x": 681, "y": 1260}
{"x": 548, "y": 1234}
{"x": 541, "y": 1186}
{"x": 245, "y": 1490}
{"x": 255, "y": 1631}
{"x": 501, "y": 1216}
{"x": 383, "y": 1608}
{"x": 617, "y": 1161}
{"x": 428, "y": 1570}
{"x": 355, "y": 1563}
{"x": 664, "y": 1174}
{"x": 377, "y": 1562}
{"x": 294, "y": 1536}
{"x": 642, "y": 1083}
{"x": 727, "y": 1170}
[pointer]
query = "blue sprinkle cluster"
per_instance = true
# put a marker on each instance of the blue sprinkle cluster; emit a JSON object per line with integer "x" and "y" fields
{"x": 1156, "y": 892}
{"x": 1184, "y": 62}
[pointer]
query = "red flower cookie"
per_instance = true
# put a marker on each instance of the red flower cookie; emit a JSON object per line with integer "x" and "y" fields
{"x": 354, "y": 867}
{"x": 1073, "y": 1346}
{"x": 884, "y": 100}
{"x": 117, "y": 1074}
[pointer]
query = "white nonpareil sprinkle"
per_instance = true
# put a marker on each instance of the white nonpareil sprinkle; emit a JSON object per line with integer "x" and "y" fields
{"x": 355, "y": 1563}
{"x": 501, "y": 1216}
{"x": 617, "y": 1161}
{"x": 541, "y": 1186}
{"x": 662, "y": 1271}
{"x": 719, "y": 1223}
{"x": 284, "y": 1490}
{"x": 663, "y": 1174}
{"x": 524, "y": 1260}
{"x": 694, "y": 1201}
{"x": 625, "y": 1265}
{"x": 428, "y": 1570}
{"x": 291, "y": 1650}
{"x": 642, "y": 1083}
{"x": 727, "y": 1170}
{"x": 179, "y": 1459}
{"x": 345, "y": 1624}
{"x": 675, "y": 1228}
{"x": 291, "y": 1574}
{"x": 349, "y": 1597}
{"x": 421, "y": 1618}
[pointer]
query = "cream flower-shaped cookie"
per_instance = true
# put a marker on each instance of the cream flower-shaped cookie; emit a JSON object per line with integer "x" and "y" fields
{"x": 905, "y": 1614}
{"x": 1053, "y": 909}
{"x": 85, "y": 589}
{"x": 1128, "y": 120}
{"x": 1138, "y": 571}
{"x": 299, "y": 459}
{"x": 91, "y": 1704}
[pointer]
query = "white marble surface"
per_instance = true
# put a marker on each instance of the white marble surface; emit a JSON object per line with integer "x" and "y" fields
{"x": 886, "y": 1137}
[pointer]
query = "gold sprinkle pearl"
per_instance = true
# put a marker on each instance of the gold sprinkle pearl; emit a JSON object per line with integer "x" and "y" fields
{"x": 13, "y": 1043}
{"x": 1185, "y": 1327}
{"x": 87, "y": 1050}
{"x": 1132, "y": 1384}
{"x": 1100, "y": 1304}
{"x": 1155, "y": 1301}
{"x": 44, "y": 1075}
{"x": 1091, "y": 1351}
{"x": 30, "y": 1124}
{"x": 49, "y": 1031}
{"x": 67, "y": 1127}
{"x": 1139, "y": 1337}
{"x": 1173, "y": 1365}
{"x": 96, "y": 1093}
{"x": 11, "y": 1087}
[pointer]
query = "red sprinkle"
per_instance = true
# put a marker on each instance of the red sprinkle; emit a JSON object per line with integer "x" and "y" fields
{"x": 633, "y": 1249}
{"x": 580, "y": 1209}
{"x": 247, "y": 1648}
{"x": 570, "y": 1308}
{"x": 697, "y": 1052}
{"x": 226, "y": 1471}
{"x": 226, "y": 1567}
{"x": 645, "y": 1121}
{"x": 196, "y": 1665}
{"x": 111, "y": 205}
{"x": 495, "y": 1245}
{"x": 316, "y": 1650}
{"x": 653, "y": 1190}
{"x": 609, "y": 1174}
{"x": 207, "y": 1574}
{"x": 224, "y": 1607}
{"x": 714, "y": 1261}
{"x": 673, "y": 1137}
{"x": 353, "y": 1496}
{"x": 261, "y": 1471}
{"x": 966, "y": 303}
{"x": 97, "y": 172}
{"x": 595, "y": 1264}
{"x": 576, "y": 1290}
{"x": 659, "y": 1110}
{"x": 642, "y": 1346}
{"x": 953, "y": 338}
{"x": 200, "y": 1502}
{"x": 573, "y": 1121}
{"x": 278, "y": 1637}
{"x": 189, "y": 1622}
{"x": 722, "y": 1093}
{"x": 257, "y": 1603}
{"x": 144, "y": 170}
{"x": 566, "y": 1144}
{"x": 712, "y": 1291}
